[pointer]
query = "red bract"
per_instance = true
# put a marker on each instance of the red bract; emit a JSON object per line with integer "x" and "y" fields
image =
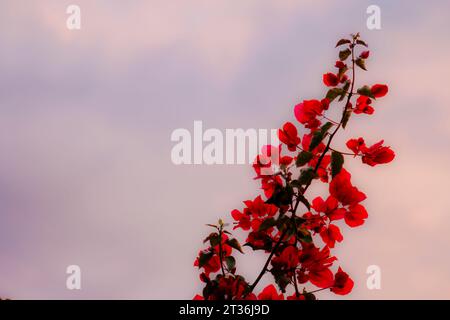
{"x": 342, "y": 189}
{"x": 355, "y": 215}
{"x": 339, "y": 64}
{"x": 296, "y": 297}
{"x": 330, "y": 207}
{"x": 378, "y": 154}
{"x": 271, "y": 183}
{"x": 270, "y": 293}
{"x": 330, "y": 79}
{"x": 295, "y": 233}
{"x": 322, "y": 169}
{"x": 287, "y": 260}
{"x": 373, "y": 155}
{"x": 253, "y": 214}
{"x": 212, "y": 265}
{"x": 331, "y": 234}
{"x": 362, "y": 105}
{"x": 259, "y": 208}
{"x": 264, "y": 162}
{"x": 356, "y": 145}
{"x": 364, "y": 54}
{"x": 307, "y": 112}
{"x": 288, "y": 135}
{"x": 342, "y": 283}
{"x": 244, "y": 221}
{"x": 315, "y": 265}
{"x": 379, "y": 90}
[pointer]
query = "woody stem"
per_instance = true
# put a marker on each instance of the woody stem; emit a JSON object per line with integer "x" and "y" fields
{"x": 221, "y": 251}
{"x": 327, "y": 148}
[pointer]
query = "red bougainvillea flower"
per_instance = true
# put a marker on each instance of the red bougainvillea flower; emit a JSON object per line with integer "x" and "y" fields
{"x": 330, "y": 235}
{"x": 259, "y": 240}
{"x": 270, "y": 155}
{"x": 198, "y": 297}
{"x": 364, "y": 54}
{"x": 339, "y": 64}
{"x": 322, "y": 170}
{"x": 271, "y": 183}
{"x": 330, "y": 207}
{"x": 258, "y": 207}
{"x": 355, "y": 215}
{"x": 315, "y": 266}
{"x": 286, "y": 160}
{"x": 262, "y": 166}
{"x": 325, "y": 102}
{"x": 228, "y": 287}
{"x": 357, "y": 145}
{"x": 295, "y": 297}
{"x": 330, "y": 79}
{"x": 314, "y": 222}
{"x": 287, "y": 260}
{"x": 213, "y": 264}
{"x": 362, "y": 105}
{"x": 253, "y": 214}
{"x": 321, "y": 277}
{"x": 342, "y": 189}
{"x": 379, "y": 90}
{"x": 342, "y": 283}
{"x": 378, "y": 154}
{"x": 270, "y": 293}
{"x": 373, "y": 155}
{"x": 288, "y": 135}
{"x": 307, "y": 111}
{"x": 244, "y": 221}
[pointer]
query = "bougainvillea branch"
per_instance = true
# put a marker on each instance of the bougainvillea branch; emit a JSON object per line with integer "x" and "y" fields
{"x": 292, "y": 240}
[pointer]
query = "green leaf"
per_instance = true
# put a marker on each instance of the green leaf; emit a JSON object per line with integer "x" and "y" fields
{"x": 295, "y": 184}
{"x": 344, "y": 90}
{"x": 304, "y": 235}
{"x": 214, "y": 239}
{"x": 306, "y": 176}
{"x": 281, "y": 196}
{"x": 319, "y": 135}
{"x": 303, "y": 158}
{"x": 362, "y": 43}
{"x": 333, "y": 93}
{"x": 303, "y": 200}
{"x": 234, "y": 244}
{"x": 204, "y": 258}
{"x": 346, "y": 117}
{"x": 337, "y": 160}
{"x": 365, "y": 91}
{"x": 341, "y": 42}
{"x": 230, "y": 262}
{"x": 342, "y": 71}
{"x": 281, "y": 279}
{"x": 361, "y": 63}
{"x": 267, "y": 223}
{"x": 282, "y": 221}
{"x": 343, "y": 55}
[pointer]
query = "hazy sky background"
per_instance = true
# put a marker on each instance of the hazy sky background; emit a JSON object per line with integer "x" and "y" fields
{"x": 86, "y": 117}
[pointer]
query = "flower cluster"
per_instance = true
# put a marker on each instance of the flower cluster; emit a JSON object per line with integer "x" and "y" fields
{"x": 296, "y": 234}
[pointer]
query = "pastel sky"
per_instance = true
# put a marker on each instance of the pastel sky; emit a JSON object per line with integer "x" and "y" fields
{"x": 86, "y": 116}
